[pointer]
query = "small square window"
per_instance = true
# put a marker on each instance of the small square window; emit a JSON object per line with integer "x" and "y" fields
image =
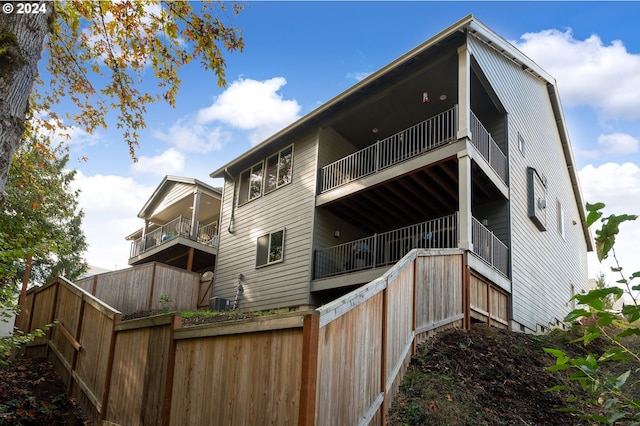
{"x": 270, "y": 248}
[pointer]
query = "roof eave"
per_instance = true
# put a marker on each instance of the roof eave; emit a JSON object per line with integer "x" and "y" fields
{"x": 460, "y": 25}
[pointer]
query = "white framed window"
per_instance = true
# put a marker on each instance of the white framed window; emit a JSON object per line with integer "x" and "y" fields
{"x": 560, "y": 217}
{"x": 266, "y": 176}
{"x": 270, "y": 248}
{"x": 279, "y": 169}
{"x": 250, "y": 184}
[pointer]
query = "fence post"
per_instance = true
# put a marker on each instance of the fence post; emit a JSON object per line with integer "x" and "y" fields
{"x": 309, "y": 373}
{"x": 383, "y": 355}
{"x": 107, "y": 381}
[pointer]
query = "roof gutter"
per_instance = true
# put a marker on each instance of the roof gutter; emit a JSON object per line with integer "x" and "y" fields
{"x": 233, "y": 202}
{"x": 568, "y": 155}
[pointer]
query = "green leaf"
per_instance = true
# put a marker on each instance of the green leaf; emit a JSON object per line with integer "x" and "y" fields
{"x": 621, "y": 380}
{"x": 555, "y": 352}
{"x": 590, "y": 334}
{"x": 559, "y": 367}
{"x": 577, "y": 314}
{"x": 613, "y": 354}
{"x": 594, "y": 213}
{"x": 631, "y": 313}
{"x": 556, "y": 388}
{"x": 632, "y": 331}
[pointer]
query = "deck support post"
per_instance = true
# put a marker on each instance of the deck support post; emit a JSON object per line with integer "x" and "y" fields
{"x": 193, "y": 234}
{"x": 464, "y": 93}
{"x": 464, "y": 199}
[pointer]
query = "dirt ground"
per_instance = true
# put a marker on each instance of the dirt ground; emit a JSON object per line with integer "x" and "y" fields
{"x": 486, "y": 377}
{"x": 32, "y": 393}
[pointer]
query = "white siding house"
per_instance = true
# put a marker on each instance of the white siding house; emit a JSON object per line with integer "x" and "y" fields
{"x": 458, "y": 144}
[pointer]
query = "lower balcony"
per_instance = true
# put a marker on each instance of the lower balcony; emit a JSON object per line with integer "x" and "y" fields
{"x": 175, "y": 244}
{"x": 380, "y": 250}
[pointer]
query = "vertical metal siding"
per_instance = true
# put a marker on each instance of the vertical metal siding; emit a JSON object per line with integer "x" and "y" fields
{"x": 544, "y": 265}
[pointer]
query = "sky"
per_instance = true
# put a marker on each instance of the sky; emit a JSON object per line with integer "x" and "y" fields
{"x": 299, "y": 55}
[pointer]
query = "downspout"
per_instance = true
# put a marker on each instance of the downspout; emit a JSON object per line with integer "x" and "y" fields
{"x": 233, "y": 201}
{"x": 239, "y": 290}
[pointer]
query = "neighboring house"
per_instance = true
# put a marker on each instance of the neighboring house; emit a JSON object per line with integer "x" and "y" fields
{"x": 460, "y": 144}
{"x": 180, "y": 226}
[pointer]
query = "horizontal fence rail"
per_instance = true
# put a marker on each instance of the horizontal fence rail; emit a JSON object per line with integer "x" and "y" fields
{"x": 386, "y": 248}
{"x": 489, "y": 247}
{"x": 404, "y": 145}
{"x": 488, "y": 148}
{"x": 178, "y": 227}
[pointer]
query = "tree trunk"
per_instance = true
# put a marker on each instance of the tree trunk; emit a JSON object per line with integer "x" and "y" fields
{"x": 21, "y": 42}
{"x": 23, "y": 293}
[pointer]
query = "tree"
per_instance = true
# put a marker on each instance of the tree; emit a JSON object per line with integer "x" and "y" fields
{"x": 610, "y": 390}
{"x": 113, "y": 43}
{"x": 40, "y": 222}
{"x": 40, "y": 234}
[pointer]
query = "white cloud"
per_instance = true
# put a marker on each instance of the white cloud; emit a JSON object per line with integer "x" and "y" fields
{"x": 254, "y": 106}
{"x": 190, "y": 136}
{"x": 588, "y": 72}
{"x": 618, "y": 187}
{"x": 358, "y": 76}
{"x": 69, "y": 135}
{"x": 111, "y": 205}
{"x": 169, "y": 162}
{"x": 618, "y": 144}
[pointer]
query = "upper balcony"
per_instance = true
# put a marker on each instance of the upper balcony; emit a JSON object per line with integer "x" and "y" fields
{"x": 180, "y": 226}
{"x": 426, "y": 136}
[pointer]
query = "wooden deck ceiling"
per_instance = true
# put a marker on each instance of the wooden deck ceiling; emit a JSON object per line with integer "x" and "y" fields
{"x": 422, "y": 194}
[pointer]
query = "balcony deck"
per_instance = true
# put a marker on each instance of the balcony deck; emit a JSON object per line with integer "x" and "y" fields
{"x": 387, "y": 248}
{"x": 179, "y": 229}
{"x": 409, "y": 143}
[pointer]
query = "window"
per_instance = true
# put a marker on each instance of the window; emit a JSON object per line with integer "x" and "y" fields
{"x": 270, "y": 248}
{"x": 278, "y": 169}
{"x": 520, "y": 143}
{"x": 561, "y": 228}
{"x": 537, "y": 198}
{"x": 268, "y": 175}
{"x": 250, "y": 184}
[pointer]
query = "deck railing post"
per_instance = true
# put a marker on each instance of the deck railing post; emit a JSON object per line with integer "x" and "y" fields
{"x": 375, "y": 250}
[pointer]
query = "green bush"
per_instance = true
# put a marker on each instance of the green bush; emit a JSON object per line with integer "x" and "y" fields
{"x": 610, "y": 379}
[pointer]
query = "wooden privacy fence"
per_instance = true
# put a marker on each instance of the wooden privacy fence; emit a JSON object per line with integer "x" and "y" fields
{"x": 81, "y": 345}
{"x": 139, "y": 288}
{"x": 338, "y": 365}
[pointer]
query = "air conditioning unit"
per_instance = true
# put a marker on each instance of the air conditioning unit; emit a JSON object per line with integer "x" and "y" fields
{"x": 219, "y": 304}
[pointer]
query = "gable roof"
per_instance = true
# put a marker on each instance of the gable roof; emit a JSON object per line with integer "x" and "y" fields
{"x": 165, "y": 187}
{"x": 468, "y": 24}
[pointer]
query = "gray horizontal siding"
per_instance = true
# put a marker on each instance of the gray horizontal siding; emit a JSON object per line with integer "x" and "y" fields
{"x": 178, "y": 192}
{"x": 291, "y": 207}
{"x": 332, "y": 146}
{"x": 544, "y": 265}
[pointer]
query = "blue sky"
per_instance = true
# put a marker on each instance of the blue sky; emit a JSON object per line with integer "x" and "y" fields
{"x": 298, "y": 55}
